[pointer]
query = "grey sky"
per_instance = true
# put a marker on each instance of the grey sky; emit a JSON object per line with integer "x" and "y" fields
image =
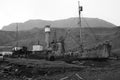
{"x": 22, "y": 10}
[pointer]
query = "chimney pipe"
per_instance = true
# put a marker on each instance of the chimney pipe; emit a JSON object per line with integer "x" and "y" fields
{"x": 47, "y": 36}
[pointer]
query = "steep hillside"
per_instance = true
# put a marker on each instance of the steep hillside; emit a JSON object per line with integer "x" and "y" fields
{"x": 6, "y": 37}
{"x": 91, "y": 36}
{"x": 66, "y": 23}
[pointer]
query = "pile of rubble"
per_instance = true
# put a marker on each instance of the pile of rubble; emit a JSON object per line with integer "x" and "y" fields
{"x": 22, "y": 69}
{"x": 13, "y": 71}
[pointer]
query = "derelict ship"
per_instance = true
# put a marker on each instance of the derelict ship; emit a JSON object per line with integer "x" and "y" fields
{"x": 55, "y": 50}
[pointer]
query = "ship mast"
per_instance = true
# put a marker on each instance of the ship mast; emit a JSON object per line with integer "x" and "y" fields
{"x": 80, "y": 10}
{"x": 17, "y": 34}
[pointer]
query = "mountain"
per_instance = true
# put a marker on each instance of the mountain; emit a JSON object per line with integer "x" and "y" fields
{"x": 65, "y": 23}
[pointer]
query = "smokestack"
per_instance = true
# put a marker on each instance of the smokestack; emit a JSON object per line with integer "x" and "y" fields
{"x": 47, "y": 36}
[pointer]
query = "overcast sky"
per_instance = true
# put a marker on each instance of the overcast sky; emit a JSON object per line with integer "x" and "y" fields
{"x": 12, "y": 11}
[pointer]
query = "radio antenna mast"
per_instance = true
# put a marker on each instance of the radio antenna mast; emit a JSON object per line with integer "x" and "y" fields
{"x": 80, "y": 8}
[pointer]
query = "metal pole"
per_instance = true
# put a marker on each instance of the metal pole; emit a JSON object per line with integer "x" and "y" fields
{"x": 17, "y": 34}
{"x": 80, "y": 9}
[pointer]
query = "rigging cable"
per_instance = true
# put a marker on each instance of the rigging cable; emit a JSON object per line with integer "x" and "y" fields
{"x": 68, "y": 33}
{"x": 91, "y": 30}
